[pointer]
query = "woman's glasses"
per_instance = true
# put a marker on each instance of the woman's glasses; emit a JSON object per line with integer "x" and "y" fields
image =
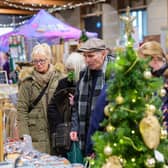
{"x": 40, "y": 61}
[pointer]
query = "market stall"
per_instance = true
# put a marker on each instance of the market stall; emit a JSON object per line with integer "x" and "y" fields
{"x": 20, "y": 153}
{"x": 15, "y": 151}
{"x": 42, "y": 27}
{"x": 6, "y": 109}
{"x": 1, "y": 139}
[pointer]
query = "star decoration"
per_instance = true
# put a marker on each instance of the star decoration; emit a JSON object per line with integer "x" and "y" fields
{"x": 128, "y": 20}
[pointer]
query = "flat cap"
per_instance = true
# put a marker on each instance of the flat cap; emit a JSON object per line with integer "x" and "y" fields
{"x": 92, "y": 44}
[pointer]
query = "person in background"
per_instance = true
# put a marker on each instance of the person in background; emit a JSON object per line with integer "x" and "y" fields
{"x": 64, "y": 95}
{"x": 6, "y": 64}
{"x": 91, "y": 81}
{"x": 158, "y": 64}
{"x": 34, "y": 121}
{"x": 73, "y": 65}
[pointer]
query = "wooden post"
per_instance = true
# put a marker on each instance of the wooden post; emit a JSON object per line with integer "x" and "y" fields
{"x": 1, "y": 137}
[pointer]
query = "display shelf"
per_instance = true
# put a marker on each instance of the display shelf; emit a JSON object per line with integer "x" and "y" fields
{"x": 1, "y": 136}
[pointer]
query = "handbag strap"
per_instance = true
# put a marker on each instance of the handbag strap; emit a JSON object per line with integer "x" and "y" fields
{"x": 68, "y": 114}
{"x": 32, "y": 105}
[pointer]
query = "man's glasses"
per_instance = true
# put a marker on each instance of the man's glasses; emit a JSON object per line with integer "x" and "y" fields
{"x": 40, "y": 61}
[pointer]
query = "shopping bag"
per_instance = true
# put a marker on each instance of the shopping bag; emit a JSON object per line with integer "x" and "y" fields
{"x": 75, "y": 153}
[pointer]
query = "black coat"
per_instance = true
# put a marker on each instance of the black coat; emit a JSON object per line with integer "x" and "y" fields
{"x": 59, "y": 108}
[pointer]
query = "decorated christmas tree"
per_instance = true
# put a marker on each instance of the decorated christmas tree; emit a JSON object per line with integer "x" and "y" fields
{"x": 134, "y": 135}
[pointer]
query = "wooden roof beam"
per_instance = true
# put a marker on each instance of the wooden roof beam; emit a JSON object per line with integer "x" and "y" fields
{"x": 15, "y": 12}
{"x": 42, "y": 2}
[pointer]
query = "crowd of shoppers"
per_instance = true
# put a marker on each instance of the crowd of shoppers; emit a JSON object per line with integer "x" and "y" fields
{"x": 158, "y": 64}
{"x": 85, "y": 96}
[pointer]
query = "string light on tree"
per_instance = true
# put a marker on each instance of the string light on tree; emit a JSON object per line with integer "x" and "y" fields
{"x": 162, "y": 92}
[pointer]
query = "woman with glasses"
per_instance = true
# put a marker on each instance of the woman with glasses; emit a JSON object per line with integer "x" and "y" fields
{"x": 35, "y": 92}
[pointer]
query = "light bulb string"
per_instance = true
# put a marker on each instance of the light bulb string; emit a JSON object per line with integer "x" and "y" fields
{"x": 131, "y": 67}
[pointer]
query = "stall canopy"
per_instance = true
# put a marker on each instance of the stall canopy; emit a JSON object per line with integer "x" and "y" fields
{"x": 45, "y": 28}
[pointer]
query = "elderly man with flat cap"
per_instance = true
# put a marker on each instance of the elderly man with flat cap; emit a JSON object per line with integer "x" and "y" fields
{"x": 91, "y": 81}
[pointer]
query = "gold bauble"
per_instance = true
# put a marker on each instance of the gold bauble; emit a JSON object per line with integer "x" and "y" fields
{"x": 151, "y": 108}
{"x": 150, "y": 163}
{"x": 108, "y": 150}
{"x": 112, "y": 162}
{"x": 110, "y": 128}
{"x": 162, "y": 92}
{"x": 163, "y": 133}
{"x": 119, "y": 99}
{"x": 150, "y": 131}
{"x": 107, "y": 109}
{"x": 147, "y": 75}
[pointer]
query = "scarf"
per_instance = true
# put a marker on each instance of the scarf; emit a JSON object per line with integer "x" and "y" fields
{"x": 42, "y": 79}
{"x": 88, "y": 96}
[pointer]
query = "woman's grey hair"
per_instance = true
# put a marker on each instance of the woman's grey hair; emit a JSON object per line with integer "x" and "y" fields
{"x": 42, "y": 49}
{"x": 76, "y": 62}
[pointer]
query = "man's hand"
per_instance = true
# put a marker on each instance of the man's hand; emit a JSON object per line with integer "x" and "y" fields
{"x": 71, "y": 99}
{"x": 73, "y": 136}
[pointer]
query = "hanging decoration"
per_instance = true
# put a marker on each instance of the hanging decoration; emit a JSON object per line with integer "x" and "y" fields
{"x": 54, "y": 8}
{"x": 17, "y": 48}
{"x": 14, "y": 24}
{"x": 36, "y": 7}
